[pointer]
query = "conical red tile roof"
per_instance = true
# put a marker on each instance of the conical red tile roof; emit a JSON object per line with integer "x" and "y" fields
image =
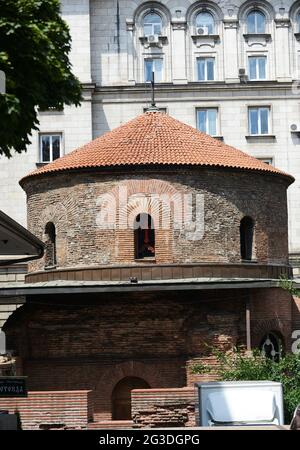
{"x": 154, "y": 138}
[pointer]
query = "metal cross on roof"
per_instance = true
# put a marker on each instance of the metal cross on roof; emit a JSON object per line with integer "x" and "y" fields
{"x": 153, "y": 106}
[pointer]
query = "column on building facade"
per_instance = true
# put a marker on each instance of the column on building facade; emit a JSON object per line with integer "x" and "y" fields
{"x": 231, "y": 51}
{"x": 130, "y": 51}
{"x": 283, "y": 67}
{"x": 179, "y": 69}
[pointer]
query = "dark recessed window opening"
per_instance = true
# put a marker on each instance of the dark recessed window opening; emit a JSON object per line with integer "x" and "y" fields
{"x": 246, "y": 238}
{"x": 50, "y": 245}
{"x": 271, "y": 346}
{"x": 144, "y": 236}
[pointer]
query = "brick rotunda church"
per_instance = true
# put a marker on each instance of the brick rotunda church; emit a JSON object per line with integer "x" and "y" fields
{"x": 159, "y": 240}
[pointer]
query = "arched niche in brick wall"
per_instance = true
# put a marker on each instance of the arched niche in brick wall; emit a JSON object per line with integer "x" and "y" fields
{"x": 121, "y": 397}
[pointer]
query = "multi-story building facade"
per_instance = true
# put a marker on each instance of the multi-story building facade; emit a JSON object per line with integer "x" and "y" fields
{"x": 228, "y": 67}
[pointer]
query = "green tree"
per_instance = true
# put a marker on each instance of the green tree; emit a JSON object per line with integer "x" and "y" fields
{"x": 34, "y": 55}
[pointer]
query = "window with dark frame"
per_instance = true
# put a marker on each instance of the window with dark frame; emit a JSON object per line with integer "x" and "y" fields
{"x": 144, "y": 236}
{"x": 50, "y": 147}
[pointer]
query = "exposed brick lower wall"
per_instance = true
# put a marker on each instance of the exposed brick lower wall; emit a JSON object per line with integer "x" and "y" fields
{"x": 65, "y": 409}
{"x": 163, "y": 407}
{"x": 204, "y": 377}
{"x": 296, "y": 313}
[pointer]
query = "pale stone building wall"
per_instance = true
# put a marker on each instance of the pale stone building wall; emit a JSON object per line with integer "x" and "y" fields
{"x": 108, "y": 56}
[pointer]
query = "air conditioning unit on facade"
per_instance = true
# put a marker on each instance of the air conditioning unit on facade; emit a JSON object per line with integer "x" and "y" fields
{"x": 153, "y": 39}
{"x": 295, "y": 129}
{"x": 243, "y": 76}
{"x": 202, "y": 31}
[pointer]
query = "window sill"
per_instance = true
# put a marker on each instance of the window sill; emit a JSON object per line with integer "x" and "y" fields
{"x": 50, "y": 268}
{"x": 249, "y": 261}
{"x": 145, "y": 260}
{"x": 162, "y": 40}
{"x": 51, "y": 112}
{"x": 260, "y": 137}
{"x": 206, "y": 81}
{"x": 209, "y": 38}
{"x": 257, "y": 36}
{"x": 219, "y": 138}
{"x": 41, "y": 164}
{"x": 256, "y": 80}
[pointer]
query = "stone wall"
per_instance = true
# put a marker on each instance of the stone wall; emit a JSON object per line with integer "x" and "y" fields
{"x": 73, "y": 203}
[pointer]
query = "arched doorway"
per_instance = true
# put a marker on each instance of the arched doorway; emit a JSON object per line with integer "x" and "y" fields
{"x": 121, "y": 397}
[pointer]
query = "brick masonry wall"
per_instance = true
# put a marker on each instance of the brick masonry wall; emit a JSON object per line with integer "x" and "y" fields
{"x": 163, "y": 407}
{"x": 46, "y": 410}
{"x": 71, "y": 202}
{"x": 271, "y": 310}
{"x": 296, "y": 313}
{"x": 92, "y": 343}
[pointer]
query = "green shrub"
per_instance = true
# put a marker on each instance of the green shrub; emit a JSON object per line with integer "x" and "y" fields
{"x": 240, "y": 366}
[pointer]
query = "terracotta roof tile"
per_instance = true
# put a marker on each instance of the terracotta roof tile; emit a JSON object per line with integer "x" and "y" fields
{"x": 155, "y": 138}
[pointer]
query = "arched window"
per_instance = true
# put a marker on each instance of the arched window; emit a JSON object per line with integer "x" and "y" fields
{"x": 50, "y": 245}
{"x": 256, "y": 22}
{"x": 144, "y": 236}
{"x": 152, "y": 24}
{"x": 246, "y": 238}
{"x": 271, "y": 346}
{"x": 205, "y": 20}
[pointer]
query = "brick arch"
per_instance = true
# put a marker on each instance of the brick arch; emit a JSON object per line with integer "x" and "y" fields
{"x": 145, "y": 186}
{"x": 113, "y": 375}
{"x": 259, "y": 328}
{"x": 151, "y": 197}
{"x": 60, "y": 214}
